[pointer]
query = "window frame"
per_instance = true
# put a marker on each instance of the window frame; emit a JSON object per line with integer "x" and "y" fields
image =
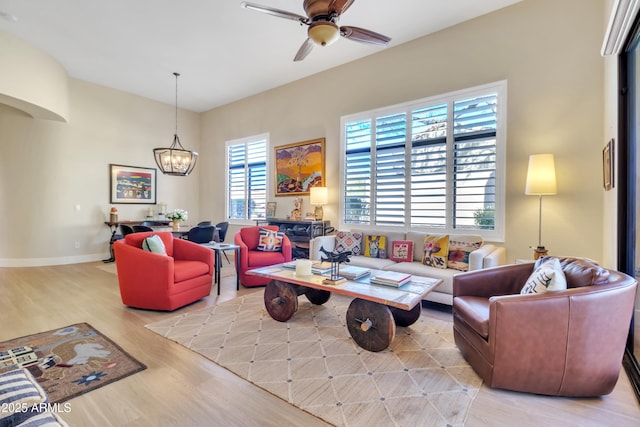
{"x": 245, "y": 141}
{"x": 495, "y": 235}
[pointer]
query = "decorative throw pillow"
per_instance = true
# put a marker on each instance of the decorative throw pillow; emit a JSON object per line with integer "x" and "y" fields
{"x": 154, "y": 244}
{"x": 459, "y": 249}
{"x": 580, "y": 272}
{"x": 270, "y": 241}
{"x": 547, "y": 277}
{"x": 348, "y": 241}
{"x": 375, "y": 246}
{"x": 402, "y": 251}
{"x": 436, "y": 248}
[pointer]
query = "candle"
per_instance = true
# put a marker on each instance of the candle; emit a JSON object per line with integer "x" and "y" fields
{"x": 303, "y": 267}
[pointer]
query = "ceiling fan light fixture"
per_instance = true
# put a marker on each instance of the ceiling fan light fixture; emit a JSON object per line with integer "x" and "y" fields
{"x": 324, "y": 33}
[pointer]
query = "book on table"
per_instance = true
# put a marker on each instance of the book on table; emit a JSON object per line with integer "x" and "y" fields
{"x": 317, "y": 267}
{"x": 352, "y": 272}
{"x": 321, "y": 267}
{"x": 391, "y": 278}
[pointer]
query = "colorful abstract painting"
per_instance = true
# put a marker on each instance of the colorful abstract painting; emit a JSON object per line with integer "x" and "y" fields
{"x": 299, "y": 167}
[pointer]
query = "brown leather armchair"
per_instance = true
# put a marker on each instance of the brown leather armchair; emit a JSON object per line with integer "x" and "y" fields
{"x": 563, "y": 343}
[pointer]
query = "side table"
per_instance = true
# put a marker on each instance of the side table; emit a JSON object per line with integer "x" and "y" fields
{"x": 218, "y": 248}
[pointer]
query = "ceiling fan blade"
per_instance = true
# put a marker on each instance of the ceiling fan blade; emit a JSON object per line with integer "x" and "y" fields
{"x": 304, "y": 50}
{"x": 364, "y": 36}
{"x": 275, "y": 12}
{"x": 340, "y": 6}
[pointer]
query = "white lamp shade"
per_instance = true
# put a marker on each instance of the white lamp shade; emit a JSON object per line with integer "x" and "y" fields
{"x": 541, "y": 175}
{"x": 318, "y": 195}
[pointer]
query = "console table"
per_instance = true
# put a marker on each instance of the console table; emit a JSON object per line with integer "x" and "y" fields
{"x": 113, "y": 226}
{"x": 299, "y": 232}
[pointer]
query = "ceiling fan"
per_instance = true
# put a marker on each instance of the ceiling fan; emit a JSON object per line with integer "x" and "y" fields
{"x": 322, "y": 19}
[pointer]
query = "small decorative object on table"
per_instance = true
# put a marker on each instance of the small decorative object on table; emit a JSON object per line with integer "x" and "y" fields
{"x": 113, "y": 215}
{"x": 335, "y": 259}
{"x": 540, "y": 251}
{"x": 176, "y": 216}
{"x": 303, "y": 267}
{"x": 271, "y": 209}
{"x": 296, "y": 213}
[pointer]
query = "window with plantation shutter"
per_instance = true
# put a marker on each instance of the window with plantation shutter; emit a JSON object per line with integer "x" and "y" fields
{"x": 435, "y": 164}
{"x": 247, "y": 178}
{"x": 390, "y": 169}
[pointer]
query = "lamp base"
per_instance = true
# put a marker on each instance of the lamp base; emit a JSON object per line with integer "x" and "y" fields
{"x": 540, "y": 251}
{"x": 318, "y": 213}
{"x": 334, "y": 282}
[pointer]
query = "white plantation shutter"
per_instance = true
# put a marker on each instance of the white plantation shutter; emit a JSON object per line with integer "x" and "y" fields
{"x": 247, "y": 178}
{"x": 357, "y": 192}
{"x": 433, "y": 164}
{"x": 475, "y": 162}
{"x": 429, "y": 166}
{"x": 390, "y": 170}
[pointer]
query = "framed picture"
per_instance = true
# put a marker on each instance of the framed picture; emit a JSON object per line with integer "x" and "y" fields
{"x": 299, "y": 167}
{"x": 132, "y": 184}
{"x": 608, "y": 172}
{"x": 271, "y": 210}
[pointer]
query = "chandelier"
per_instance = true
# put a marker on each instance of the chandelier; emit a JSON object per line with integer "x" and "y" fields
{"x": 175, "y": 160}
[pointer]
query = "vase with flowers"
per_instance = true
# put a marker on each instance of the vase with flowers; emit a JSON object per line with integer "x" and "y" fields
{"x": 176, "y": 217}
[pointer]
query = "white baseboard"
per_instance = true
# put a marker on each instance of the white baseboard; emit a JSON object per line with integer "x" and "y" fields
{"x": 41, "y": 262}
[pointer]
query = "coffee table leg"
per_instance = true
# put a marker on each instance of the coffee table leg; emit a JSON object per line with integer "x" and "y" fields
{"x": 370, "y": 324}
{"x": 280, "y": 300}
{"x": 404, "y": 317}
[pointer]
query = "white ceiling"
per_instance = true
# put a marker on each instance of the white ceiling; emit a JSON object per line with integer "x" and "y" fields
{"x": 222, "y": 51}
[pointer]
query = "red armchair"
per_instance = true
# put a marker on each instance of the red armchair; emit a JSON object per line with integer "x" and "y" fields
{"x": 162, "y": 282}
{"x": 248, "y": 239}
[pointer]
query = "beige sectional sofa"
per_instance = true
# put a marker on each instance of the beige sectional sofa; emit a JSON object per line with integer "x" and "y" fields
{"x": 488, "y": 255}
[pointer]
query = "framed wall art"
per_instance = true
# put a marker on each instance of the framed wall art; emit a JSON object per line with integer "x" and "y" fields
{"x": 299, "y": 167}
{"x": 608, "y": 172}
{"x": 132, "y": 184}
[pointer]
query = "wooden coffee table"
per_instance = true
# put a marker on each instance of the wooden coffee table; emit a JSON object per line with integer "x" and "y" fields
{"x": 372, "y": 315}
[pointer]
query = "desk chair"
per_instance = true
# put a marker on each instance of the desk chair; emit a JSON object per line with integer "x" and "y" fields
{"x": 201, "y": 234}
{"x": 125, "y": 229}
{"x": 223, "y": 227}
{"x": 152, "y": 223}
{"x": 203, "y": 223}
{"x": 141, "y": 228}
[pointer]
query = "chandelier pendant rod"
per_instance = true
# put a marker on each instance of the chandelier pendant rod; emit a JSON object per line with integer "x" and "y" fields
{"x": 176, "y": 133}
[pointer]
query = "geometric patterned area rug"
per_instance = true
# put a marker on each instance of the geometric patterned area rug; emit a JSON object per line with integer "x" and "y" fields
{"x": 312, "y": 362}
{"x": 70, "y": 361}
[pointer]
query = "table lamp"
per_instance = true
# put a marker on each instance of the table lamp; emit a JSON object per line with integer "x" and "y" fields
{"x": 318, "y": 197}
{"x": 541, "y": 181}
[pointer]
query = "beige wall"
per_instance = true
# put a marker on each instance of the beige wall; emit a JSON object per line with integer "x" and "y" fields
{"x": 47, "y": 168}
{"x": 548, "y": 54}
{"x": 32, "y": 81}
{"x": 610, "y": 130}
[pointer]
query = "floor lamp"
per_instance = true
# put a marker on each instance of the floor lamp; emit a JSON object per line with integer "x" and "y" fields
{"x": 541, "y": 181}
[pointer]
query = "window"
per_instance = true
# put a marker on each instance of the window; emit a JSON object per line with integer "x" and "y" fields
{"x": 435, "y": 164}
{"x": 247, "y": 178}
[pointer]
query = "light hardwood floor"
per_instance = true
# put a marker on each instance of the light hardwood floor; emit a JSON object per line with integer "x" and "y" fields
{"x": 181, "y": 388}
